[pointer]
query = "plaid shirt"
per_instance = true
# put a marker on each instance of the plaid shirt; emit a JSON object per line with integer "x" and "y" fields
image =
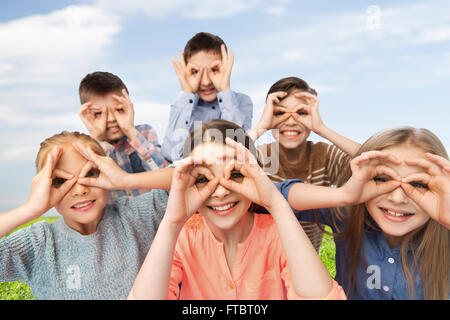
{"x": 148, "y": 149}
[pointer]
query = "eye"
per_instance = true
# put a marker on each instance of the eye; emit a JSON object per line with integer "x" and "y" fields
{"x": 194, "y": 72}
{"x": 93, "y": 173}
{"x": 215, "y": 69}
{"x": 302, "y": 112}
{"x": 97, "y": 114}
{"x": 235, "y": 175}
{"x": 201, "y": 180}
{"x": 419, "y": 185}
{"x": 278, "y": 113}
{"x": 381, "y": 179}
{"x": 58, "y": 182}
{"x": 120, "y": 110}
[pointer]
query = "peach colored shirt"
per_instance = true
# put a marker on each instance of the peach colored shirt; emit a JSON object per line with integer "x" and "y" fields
{"x": 259, "y": 272}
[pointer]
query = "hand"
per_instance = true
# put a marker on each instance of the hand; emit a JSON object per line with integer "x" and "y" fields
{"x": 110, "y": 177}
{"x": 123, "y": 112}
{"x": 189, "y": 77}
{"x": 255, "y": 185}
{"x": 185, "y": 197}
{"x": 220, "y": 72}
{"x": 431, "y": 189}
{"x": 370, "y": 178}
{"x": 308, "y": 114}
{"x": 94, "y": 118}
{"x": 49, "y": 186}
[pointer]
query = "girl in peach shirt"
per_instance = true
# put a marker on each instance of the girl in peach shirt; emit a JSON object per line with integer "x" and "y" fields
{"x": 227, "y": 251}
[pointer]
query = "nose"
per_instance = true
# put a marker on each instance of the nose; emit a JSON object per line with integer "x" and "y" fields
{"x": 291, "y": 120}
{"x": 220, "y": 192}
{"x": 110, "y": 115}
{"x": 205, "y": 80}
{"x": 79, "y": 190}
{"x": 398, "y": 196}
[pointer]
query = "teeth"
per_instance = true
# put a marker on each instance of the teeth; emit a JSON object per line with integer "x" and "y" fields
{"x": 78, "y": 206}
{"x": 396, "y": 214}
{"x": 226, "y": 207}
{"x": 290, "y": 133}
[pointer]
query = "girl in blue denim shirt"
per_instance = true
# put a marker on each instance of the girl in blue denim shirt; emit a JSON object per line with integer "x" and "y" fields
{"x": 391, "y": 227}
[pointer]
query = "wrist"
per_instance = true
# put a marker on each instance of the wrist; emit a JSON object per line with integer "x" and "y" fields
{"x": 28, "y": 212}
{"x": 130, "y": 131}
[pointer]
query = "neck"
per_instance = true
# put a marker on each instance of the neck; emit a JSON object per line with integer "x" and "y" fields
{"x": 238, "y": 234}
{"x": 84, "y": 228}
{"x": 293, "y": 154}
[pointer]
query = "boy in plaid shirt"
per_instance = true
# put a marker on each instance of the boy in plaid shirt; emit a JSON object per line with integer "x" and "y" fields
{"x": 108, "y": 114}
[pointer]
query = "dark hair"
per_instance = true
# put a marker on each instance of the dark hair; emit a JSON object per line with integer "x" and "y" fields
{"x": 290, "y": 84}
{"x": 203, "y": 41}
{"x": 99, "y": 83}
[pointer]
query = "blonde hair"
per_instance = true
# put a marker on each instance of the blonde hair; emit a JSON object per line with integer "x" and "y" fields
{"x": 429, "y": 244}
{"x": 64, "y": 138}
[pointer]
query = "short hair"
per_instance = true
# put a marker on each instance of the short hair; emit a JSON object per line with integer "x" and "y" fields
{"x": 203, "y": 41}
{"x": 291, "y": 84}
{"x": 99, "y": 83}
{"x": 65, "y": 138}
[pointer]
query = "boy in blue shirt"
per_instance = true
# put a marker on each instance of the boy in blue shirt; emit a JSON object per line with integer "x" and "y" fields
{"x": 204, "y": 72}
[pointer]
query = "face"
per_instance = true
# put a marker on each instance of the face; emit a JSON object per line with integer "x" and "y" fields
{"x": 395, "y": 213}
{"x": 289, "y": 133}
{"x": 82, "y": 207}
{"x": 224, "y": 209}
{"x": 113, "y": 131}
{"x": 205, "y": 60}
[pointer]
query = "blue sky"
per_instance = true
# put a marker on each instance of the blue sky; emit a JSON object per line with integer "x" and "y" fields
{"x": 372, "y": 69}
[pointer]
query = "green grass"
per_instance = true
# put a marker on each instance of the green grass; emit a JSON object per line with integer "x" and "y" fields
{"x": 18, "y": 290}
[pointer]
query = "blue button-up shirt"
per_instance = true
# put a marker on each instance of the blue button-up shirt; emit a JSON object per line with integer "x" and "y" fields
{"x": 379, "y": 274}
{"x": 189, "y": 108}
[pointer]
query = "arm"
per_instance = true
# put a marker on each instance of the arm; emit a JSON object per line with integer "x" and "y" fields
{"x": 152, "y": 281}
{"x": 112, "y": 177}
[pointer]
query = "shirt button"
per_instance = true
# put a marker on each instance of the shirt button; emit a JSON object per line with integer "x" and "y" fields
{"x": 191, "y": 101}
{"x": 230, "y": 285}
{"x": 386, "y": 288}
{"x": 186, "y": 122}
{"x": 129, "y": 193}
{"x": 220, "y": 99}
{"x": 391, "y": 260}
{"x": 213, "y": 107}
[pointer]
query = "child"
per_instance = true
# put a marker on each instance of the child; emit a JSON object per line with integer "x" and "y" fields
{"x": 395, "y": 243}
{"x": 95, "y": 250}
{"x": 227, "y": 251}
{"x": 204, "y": 72}
{"x": 292, "y": 112}
{"x": 108, "y": 114}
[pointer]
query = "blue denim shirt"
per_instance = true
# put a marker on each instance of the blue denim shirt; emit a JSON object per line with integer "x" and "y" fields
{"x": 379, "y": 274}
{"x": 189, "y": 108}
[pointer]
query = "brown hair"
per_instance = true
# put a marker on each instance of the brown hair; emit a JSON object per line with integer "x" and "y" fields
{"x": 291, "y": 84}
{"x": 99, "y": 83}
{"x": 64, "y": 138}
{"x": 203, "y": 41}
{"x": 429, "y": 244}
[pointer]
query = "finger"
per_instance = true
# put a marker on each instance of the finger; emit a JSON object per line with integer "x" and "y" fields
{"x": 62, "y": 174}
{"x": 86, "y": 152}
{"x": 418, "y": 177}
{"x": 200, "y": 170}
{"x": 90, "y": 182}
{"x": 125, "y": 94}
{"x": 384, "y": 170}
{"x": 305, "y": 94}
{"x": 231, "y": 185}
{"x": 86, "y": 168}
{"x": 388, "y": 186}
{"x": 228, "y": 168}
{"x": 59, "y": 193}
{"x": 182, "y": 61}
{"x": 209, "y": 188}
{"x": 412, "y": 192}
{"x": 441, "y": 161}
{"x": 428, "y": 165}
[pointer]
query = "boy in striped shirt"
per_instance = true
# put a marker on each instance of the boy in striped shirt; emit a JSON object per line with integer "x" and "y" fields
{"x": 291, "y": 112}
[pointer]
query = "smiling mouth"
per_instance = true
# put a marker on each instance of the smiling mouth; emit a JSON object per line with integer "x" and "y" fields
{"x": 396, "y": 213}
{"x": 83, "y": 206}
{"x": 224, "y": 209}
{"x": 290, "y": 134}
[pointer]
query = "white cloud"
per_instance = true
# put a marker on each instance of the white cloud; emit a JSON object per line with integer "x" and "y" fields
{"x": 48, "y": 47}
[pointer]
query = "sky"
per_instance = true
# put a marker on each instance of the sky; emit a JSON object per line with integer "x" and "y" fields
{"x": 374, "y": 64}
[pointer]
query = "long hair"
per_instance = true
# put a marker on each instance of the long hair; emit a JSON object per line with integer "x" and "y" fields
{"x": 428, "y": 244}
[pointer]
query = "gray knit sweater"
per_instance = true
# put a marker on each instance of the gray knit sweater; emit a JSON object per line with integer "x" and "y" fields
{"x": 59, "y": 263}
